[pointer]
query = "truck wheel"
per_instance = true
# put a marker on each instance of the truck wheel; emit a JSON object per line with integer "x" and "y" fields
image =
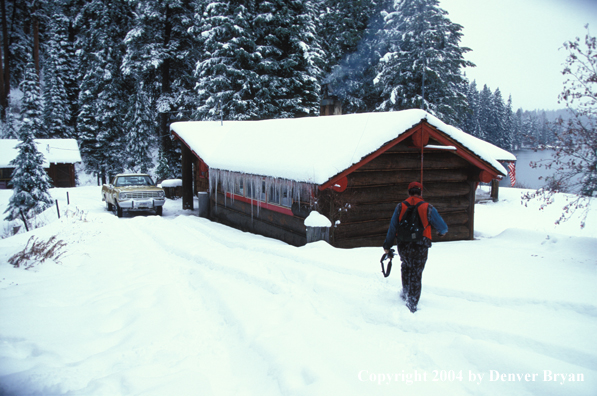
{"x": 109, "y": 206}
{"x": 158, "y": 210}
{"x": 118, "y": 211}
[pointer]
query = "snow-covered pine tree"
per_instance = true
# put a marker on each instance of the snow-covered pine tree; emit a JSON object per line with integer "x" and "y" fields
{"x": 484, "y": 117}
{"x": 227, "y": 80}
{"x": 497, "y": 113}
{"x": 290, "y": 70}
{"x": 30, "y": 181}
{"x": 161, "y": 48}
{"x": 470, "y": 120}
{"x": 32, "y": 101}
{"x": 140, "y": 129}
{"x": 517, "y": 130}
{"x": 103, "y": 97}
{"x": 423, "y": 67}
{"x": 20, "y": 40}
{"x": 58, "y": 73}
{"x": 8, "y": 127}
{"x": 509, "y": 125}
{"x": 353, "y": 54}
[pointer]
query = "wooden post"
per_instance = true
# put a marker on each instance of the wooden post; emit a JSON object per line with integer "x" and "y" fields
{"x": 187, "y": 177}
{"x": 24, "y": 220}
{"x": 495, "y": 187}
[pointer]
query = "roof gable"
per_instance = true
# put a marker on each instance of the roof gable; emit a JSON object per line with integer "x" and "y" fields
{"x": 315, "y": 149}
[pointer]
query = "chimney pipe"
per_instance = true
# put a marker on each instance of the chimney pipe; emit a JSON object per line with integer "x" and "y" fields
{"x": 330, "y": 105}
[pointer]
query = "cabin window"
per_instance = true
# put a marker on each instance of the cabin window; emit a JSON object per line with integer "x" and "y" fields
{"x": 239, "y": 188}
{"x": 256, "y": 192}
{"x": 274, "y": 195}
{"x": 262, "y": 196}
{"x": 249, "y": 190}
{"x": 286, "y": 197}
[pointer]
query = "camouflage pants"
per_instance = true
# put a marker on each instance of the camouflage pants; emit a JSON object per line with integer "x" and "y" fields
{"x": 413, "y": 257}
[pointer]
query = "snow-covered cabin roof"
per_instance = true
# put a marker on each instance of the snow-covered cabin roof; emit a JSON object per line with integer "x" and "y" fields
{"x": 55, "y": 151}
{"x": 313, "y": 149}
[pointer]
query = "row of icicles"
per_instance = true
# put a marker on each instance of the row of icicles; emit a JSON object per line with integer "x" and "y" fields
{"x": 228, "y": 182}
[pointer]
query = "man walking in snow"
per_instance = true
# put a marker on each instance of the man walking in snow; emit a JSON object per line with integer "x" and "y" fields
{"x": 414, "y": 254}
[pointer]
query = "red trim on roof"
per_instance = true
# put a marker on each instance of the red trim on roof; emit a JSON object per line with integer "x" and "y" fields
{"x": 370, "y": 157}
{"x": 422, "y": 127}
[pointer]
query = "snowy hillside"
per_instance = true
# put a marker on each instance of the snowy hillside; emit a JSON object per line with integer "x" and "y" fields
{"x": 178, "y": 305}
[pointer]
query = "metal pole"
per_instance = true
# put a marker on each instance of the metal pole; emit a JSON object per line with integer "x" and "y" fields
{"x": 422, "y": 163}
{"x": 58, "y": 208}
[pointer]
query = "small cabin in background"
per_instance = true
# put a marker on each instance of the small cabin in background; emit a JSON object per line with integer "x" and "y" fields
{"x": 267, "y": 176}
{"x": 60, "y": 157}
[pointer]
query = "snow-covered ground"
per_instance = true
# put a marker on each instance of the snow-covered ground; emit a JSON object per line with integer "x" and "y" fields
{"x": 178, "y": 305}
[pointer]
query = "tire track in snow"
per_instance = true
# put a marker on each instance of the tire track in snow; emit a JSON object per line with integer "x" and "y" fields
{"x": 197, "y": 272}
{"x": 217, "y": 278}
{"x": 191, "y": 271}
{"x": 581, "y": 309}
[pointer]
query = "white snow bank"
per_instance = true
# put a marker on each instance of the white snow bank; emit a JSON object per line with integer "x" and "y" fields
{"x": 171, "y": 183}
{"x": 178, "y": 305}
{"x": 312, "y": 149}
{"x": 316, "y": 219}
{"x": 55, "y": 151}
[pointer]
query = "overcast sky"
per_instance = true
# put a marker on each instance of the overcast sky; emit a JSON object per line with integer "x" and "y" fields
{"x": 517, "y": 44}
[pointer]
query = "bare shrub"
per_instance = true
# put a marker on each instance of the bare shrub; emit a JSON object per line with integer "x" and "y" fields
{"x": 37, "y": 251}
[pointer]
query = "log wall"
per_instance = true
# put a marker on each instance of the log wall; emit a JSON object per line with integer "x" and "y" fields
{"x": 376, "y": 188}
{"x": 365, "y": 208}
{"x": 249, "y": 218}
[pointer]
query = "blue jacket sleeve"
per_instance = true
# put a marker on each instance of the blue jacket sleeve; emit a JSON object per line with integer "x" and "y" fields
{"x": 436, "y": 221}
{"x": 391, "y": 235}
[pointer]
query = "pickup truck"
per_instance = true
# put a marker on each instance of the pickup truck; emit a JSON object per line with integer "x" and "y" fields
{"x": 133, "y": 192}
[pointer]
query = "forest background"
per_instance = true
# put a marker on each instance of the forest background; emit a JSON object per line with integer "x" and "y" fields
{"x": 114, "y": 74}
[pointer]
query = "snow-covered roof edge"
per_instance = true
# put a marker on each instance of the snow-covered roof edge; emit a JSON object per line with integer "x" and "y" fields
{"x": 55, "y": 151}
{"x": 313, "y": 149}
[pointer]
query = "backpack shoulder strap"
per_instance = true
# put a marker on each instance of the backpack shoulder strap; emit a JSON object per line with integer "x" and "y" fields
{"x": 403, "y": 209}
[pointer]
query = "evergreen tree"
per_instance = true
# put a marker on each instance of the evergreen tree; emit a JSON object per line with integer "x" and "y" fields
{"x": 423, "y": 67}
{"x": 470, "y": 123}
{"x": 58, "y": 75}
{"x": 161, "y": 48}
{"x": 530, "y": 126}
{"x": 7, "y": 128}
{"x": 32, "y": 101}
{"x": 509, "y": 126}
{"x": 139, "y": 125}
{"x": 103, "y": 96}
{"x": 517, "y": 130}
{"x": 29, "y": 180}
{"x": 485, "y": 109}
{"x": 262, "y": 60}
{"x": 353, "y": 54}
{"x": 228, "y": 82}
{"x": 290, "y": 70}
{"x": 20, "y": 40}
{"x": 342, "y": 27}
{"x": 497, "y": 115}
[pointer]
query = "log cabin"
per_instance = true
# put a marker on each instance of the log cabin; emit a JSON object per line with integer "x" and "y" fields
{"x": 266, "y": 176}
{"x": 60, "y": 157}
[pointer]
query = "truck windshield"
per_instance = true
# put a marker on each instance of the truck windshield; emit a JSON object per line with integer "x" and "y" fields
{"x": 133, "y": 181}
